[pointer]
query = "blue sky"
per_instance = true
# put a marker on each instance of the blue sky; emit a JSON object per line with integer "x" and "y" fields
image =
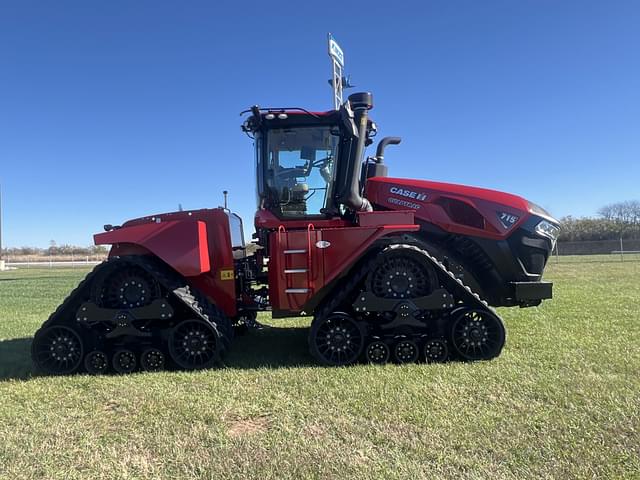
{"x": 112, "y": 110}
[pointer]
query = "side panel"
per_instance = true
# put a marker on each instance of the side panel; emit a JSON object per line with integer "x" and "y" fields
{"x": 347, "y": 245}
{"x": 181, "y": 244}
{"x": 219, "y": 282}
{"x": 295, "y": 277}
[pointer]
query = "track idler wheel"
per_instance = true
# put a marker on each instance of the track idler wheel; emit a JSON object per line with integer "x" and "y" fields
{"x": 57, "y": 350}
{"x": 378, "y": 352}
{"x": 406, "y": 351}
{"x": 152, "y": 360}
{"x": 336, "y": 340}
{"x": 193, "y": 345}
{"x": 124, "y": 361}
{"x": 436, "y": 350}
{"x": 96, "y": 362}
{"x": 477, "y": 334}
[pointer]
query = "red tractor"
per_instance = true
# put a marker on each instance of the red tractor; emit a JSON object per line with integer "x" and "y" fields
{"x": 388, "y": 268}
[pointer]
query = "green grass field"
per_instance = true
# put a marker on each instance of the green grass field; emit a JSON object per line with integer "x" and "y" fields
{"x": 563, "y": 400}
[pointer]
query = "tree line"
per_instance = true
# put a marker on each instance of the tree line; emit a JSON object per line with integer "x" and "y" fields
{"x": 616, "y": 220}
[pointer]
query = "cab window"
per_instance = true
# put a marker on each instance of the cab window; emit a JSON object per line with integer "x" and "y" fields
{"x": 299, "y": 170}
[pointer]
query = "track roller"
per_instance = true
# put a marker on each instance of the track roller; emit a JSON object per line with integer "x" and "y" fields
{"x": 124, "y": 361}
{"x": 152, "y": 360}
{"x": 406, "y": 351}
{"x": 96, "y": 362}
{"x": 477, "y": 334}
{"x": 336, "y": 340}
{"x": 377, "y": 352}
{"x": 57, "y": 350}
{"x": 436, "y": 350}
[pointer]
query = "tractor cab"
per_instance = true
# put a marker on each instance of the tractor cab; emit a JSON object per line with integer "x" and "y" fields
{"x": 296, "y": 156}
{"x": 308, "y": 164}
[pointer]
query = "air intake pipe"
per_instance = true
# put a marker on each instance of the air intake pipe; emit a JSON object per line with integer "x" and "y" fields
{"x": 360, "y": 103}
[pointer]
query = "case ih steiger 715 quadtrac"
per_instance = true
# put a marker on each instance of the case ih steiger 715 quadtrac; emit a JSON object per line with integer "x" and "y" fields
{"x": 388, "y": 268}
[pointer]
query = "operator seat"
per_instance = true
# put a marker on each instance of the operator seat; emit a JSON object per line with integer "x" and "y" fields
{"x": 293, "y": 200}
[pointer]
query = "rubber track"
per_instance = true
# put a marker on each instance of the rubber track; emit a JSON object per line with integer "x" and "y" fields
{"x": 190, "y": 297}
{"x": 343, "y": 293}
{"x": 173, "y": 282}
{"x": 464, "y": 289}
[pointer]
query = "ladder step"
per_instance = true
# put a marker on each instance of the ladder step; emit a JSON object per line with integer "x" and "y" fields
{"x": 289, "y": 252}
{"x": 297, "y": 290}
{"x": 296, "y": 270}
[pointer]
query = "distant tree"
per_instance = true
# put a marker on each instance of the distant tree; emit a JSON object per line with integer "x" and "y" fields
{"x": 619, "y": 220}
{"x": 627, "y": 212}
{"x": 53, "y": 248}
{"x": 98, "y": 250}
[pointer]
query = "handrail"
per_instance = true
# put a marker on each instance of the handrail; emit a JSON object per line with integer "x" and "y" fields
{"x": 310, "y": 228}
{"x": 282, "y": 258}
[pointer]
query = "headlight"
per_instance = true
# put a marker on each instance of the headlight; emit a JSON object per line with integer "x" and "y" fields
{"x": 548, "y": 229}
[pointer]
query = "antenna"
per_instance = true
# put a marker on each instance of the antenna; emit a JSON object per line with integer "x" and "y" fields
{"x": 337, "y": 65}
{"x": 225, "y": 193}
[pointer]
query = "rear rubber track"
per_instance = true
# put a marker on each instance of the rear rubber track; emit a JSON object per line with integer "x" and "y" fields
{"x": 173, "y": 284}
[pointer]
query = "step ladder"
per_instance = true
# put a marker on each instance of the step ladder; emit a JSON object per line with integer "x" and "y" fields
{"x": 298, "y": 280}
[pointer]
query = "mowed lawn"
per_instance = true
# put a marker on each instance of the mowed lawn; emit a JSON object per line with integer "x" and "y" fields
{"x": 562, "y": 401}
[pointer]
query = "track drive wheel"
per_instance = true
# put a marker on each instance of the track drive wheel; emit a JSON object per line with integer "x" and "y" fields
{"x": 402, "y": 273}
{"x": 193, "y": 345}
{"x": 477, "y": 334}
{"x": 96, "y": 362}
{"x": 336, "y": 339}
{"x": 377, "y": 352}
{"x": 125, "y": 285}
{"x": 57, "y": 350}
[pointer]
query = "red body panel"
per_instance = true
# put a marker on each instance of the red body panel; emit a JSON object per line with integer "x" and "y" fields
{"x": 197, "y": 244}
{"x": 181, "y": 244}
{"x": 432, "y": 202}
{"x": 305, "y": 260}
{"x": 264, "y": 219}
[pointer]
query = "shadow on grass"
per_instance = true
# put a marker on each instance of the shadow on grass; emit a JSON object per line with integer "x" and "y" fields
{"x": 15, "y": 359}
{"x": 266, "y": 348}
{"x": 271, "y": 347}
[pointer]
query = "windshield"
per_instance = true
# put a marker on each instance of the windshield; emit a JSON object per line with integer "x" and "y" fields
{"x": 299, "y": 169}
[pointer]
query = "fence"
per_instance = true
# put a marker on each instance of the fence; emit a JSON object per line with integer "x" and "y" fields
{"x": 598, "y": 251}
{"x": 38, "y": 261}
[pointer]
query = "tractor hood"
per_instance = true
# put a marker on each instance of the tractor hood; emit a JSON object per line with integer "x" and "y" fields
{"x": 454, "y": 208}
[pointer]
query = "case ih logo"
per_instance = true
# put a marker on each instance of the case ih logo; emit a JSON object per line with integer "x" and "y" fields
{"x": 408, "y": 193}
